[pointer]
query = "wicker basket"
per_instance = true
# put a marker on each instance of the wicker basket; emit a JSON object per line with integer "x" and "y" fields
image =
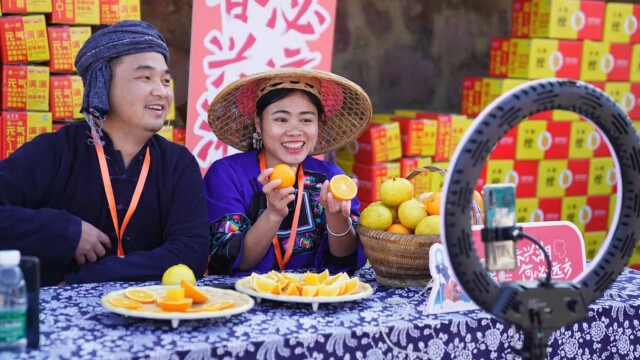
{"x": 401, "y": 260}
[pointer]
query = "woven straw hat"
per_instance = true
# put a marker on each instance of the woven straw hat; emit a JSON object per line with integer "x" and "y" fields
{"x": 347, "y": 107}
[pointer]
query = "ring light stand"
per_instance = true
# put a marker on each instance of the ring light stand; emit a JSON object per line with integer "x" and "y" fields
{"x": 539, "y": 308}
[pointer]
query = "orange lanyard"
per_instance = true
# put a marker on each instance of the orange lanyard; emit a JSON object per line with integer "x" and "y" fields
{"x": 282, "y": 263}
{"x": 108, "y": 189}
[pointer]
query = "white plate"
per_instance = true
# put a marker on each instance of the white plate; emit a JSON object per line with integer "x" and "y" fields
{"x": 242, "y": 304}
{"x": 244, "y": 286}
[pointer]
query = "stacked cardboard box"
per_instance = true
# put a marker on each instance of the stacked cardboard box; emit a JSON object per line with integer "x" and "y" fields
{"x": 39, "y": 40}
{"x": 561, "y": 164}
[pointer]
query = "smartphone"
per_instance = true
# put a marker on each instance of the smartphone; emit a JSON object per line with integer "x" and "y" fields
{"x": 30, "y": 266}
{"x": 499, "y": 206}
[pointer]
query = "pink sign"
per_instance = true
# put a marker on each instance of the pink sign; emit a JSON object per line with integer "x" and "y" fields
{"x": 234, "y": 38}
{"x": 562, "y": 240}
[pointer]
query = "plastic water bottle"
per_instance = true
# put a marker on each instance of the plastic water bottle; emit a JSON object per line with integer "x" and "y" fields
{"x": 13, "y": 305}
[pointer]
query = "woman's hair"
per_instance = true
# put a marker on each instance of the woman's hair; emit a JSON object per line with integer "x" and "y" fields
{"x": 279, "y": 94}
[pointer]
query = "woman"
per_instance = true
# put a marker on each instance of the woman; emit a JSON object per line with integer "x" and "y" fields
{"x": 283, "y": 116}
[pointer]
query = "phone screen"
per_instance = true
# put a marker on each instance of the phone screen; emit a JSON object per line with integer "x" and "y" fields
{"x": 30, "y": 266}
{"x": 499, "y": 205}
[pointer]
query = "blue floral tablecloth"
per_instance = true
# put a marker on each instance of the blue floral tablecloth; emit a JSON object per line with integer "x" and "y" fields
{"x": 384, "y": 326}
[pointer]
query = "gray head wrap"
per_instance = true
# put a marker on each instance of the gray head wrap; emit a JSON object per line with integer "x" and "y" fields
{"x": 92, "y": 62}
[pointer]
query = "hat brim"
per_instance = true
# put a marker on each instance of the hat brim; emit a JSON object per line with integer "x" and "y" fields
{"x": 348, "y": 109}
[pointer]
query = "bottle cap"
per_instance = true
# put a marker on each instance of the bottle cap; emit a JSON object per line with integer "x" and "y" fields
{"x": 9, "y": 257}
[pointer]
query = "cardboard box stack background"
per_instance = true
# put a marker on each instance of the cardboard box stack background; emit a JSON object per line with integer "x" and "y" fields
{"x": 560, "y": 162}
{"x": 39, "y": 40}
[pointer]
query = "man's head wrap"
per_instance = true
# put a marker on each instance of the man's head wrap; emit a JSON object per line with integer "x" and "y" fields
{"x": 92, "y": 62}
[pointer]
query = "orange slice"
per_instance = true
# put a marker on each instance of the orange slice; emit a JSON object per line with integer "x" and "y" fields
{"x": 336, "y": 279}
{"x": 309, "y": 291}
{"x": 322, "y": 277}
{"x": 264, "y": 284}
{"x": 292, "y": 290}
{"x": 329, "y": 290}
{"x": 174, "y": 305}
{"x": 342, "y": 187}
{"x": 193, "y": 292}
{"x": 349, "y": 286}
{"x": 219, "y": 305}
{"x": 140, "y": 295}
{"x": 124, "y": 303}
{"x": 311, "y": 279}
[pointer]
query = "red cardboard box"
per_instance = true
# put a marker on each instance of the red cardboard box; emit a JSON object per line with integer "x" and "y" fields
{"x": 66, "y": 97}
{"x": 567, "y": 19}
{"x": 471, "y": 96}
{"x": 179, "y": 136}
{"x": 13, "y": 47}
{"x": 25, "y": 6}
{"x": 520, "y": 18}
{"x": 525, "y": 176}
{"x": 85, "y": 12}
{"x": 20, "y": 127}
{"x": 621, "y": 23}
{"x": 35, "y": 37}
{"x": 543, "y": 139}
{"x": 599, "y": 206}
{"x": 550, "y": 209}
{"x": 371, "y": 177}
{"x": 25, "y": 87}
{"x": 602, "y": 61}
{"x": 113, "y": 11}
{"x": 540, "y": 58}
{"x": 579, "y": 177}
{"x": 65, "y": 42}
{"x": 420, "y": 182}
{"x": 506, "y": 147}
{"x": 499, "y": 57}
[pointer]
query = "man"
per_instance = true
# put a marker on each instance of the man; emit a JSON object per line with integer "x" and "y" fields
{"x": 109, "y": 200}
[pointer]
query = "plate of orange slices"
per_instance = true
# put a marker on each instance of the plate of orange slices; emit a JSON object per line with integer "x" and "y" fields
{"x": 176, "y": 302}
{"x": 309, "y": 288}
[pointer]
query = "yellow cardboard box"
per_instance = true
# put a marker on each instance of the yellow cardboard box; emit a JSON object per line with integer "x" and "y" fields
{"x": 621, "y": 23}
{"x": 602, "y": 176}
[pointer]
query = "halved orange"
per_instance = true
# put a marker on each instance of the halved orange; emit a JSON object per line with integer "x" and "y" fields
{"x": 141, "y": 295}
{"x": 219, "y": 305}
{"x": 124, "y": 303}
{"x": 193, "y": 292}
{"x": 174, "y": 305}
{"x": 342, "y": 187}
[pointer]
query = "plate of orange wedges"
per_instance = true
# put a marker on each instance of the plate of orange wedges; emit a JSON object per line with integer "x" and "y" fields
{"x": 310, "y": 288}
{"x": 176, "y": 302}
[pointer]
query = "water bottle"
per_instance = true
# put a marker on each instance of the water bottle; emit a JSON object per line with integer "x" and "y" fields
{"x": 13, "y": 305}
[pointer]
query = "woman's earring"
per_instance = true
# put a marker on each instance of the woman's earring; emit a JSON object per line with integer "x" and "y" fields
{"x": 257, "y": 141}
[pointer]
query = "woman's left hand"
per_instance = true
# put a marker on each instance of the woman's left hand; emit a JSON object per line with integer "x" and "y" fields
{"x": 330, "y": 204}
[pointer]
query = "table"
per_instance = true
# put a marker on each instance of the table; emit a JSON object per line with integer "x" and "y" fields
{"x": 75, "y": 326}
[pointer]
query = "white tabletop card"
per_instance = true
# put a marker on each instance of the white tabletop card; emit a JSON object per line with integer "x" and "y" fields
{"x": 446, "y": 293}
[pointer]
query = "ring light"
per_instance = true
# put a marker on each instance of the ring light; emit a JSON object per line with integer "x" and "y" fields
{"x": 536, "y": 308}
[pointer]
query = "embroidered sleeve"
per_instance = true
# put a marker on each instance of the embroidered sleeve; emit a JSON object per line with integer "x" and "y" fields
{"x": 227, "y": 234}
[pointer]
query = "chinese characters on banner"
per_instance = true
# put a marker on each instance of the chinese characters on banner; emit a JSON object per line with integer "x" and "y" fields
{"x": 234, "y": 38}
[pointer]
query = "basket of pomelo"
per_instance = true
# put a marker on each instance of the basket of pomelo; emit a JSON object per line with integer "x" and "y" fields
{"x": 398, "y": 231}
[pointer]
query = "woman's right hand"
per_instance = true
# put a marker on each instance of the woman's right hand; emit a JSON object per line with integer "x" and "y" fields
{"x": 278, "y": 198}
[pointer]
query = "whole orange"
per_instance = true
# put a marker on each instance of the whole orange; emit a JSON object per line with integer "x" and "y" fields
{"x": 286, "y": 175}
{"x": 399, "y": 228}
{"x": 433, "y": 203}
